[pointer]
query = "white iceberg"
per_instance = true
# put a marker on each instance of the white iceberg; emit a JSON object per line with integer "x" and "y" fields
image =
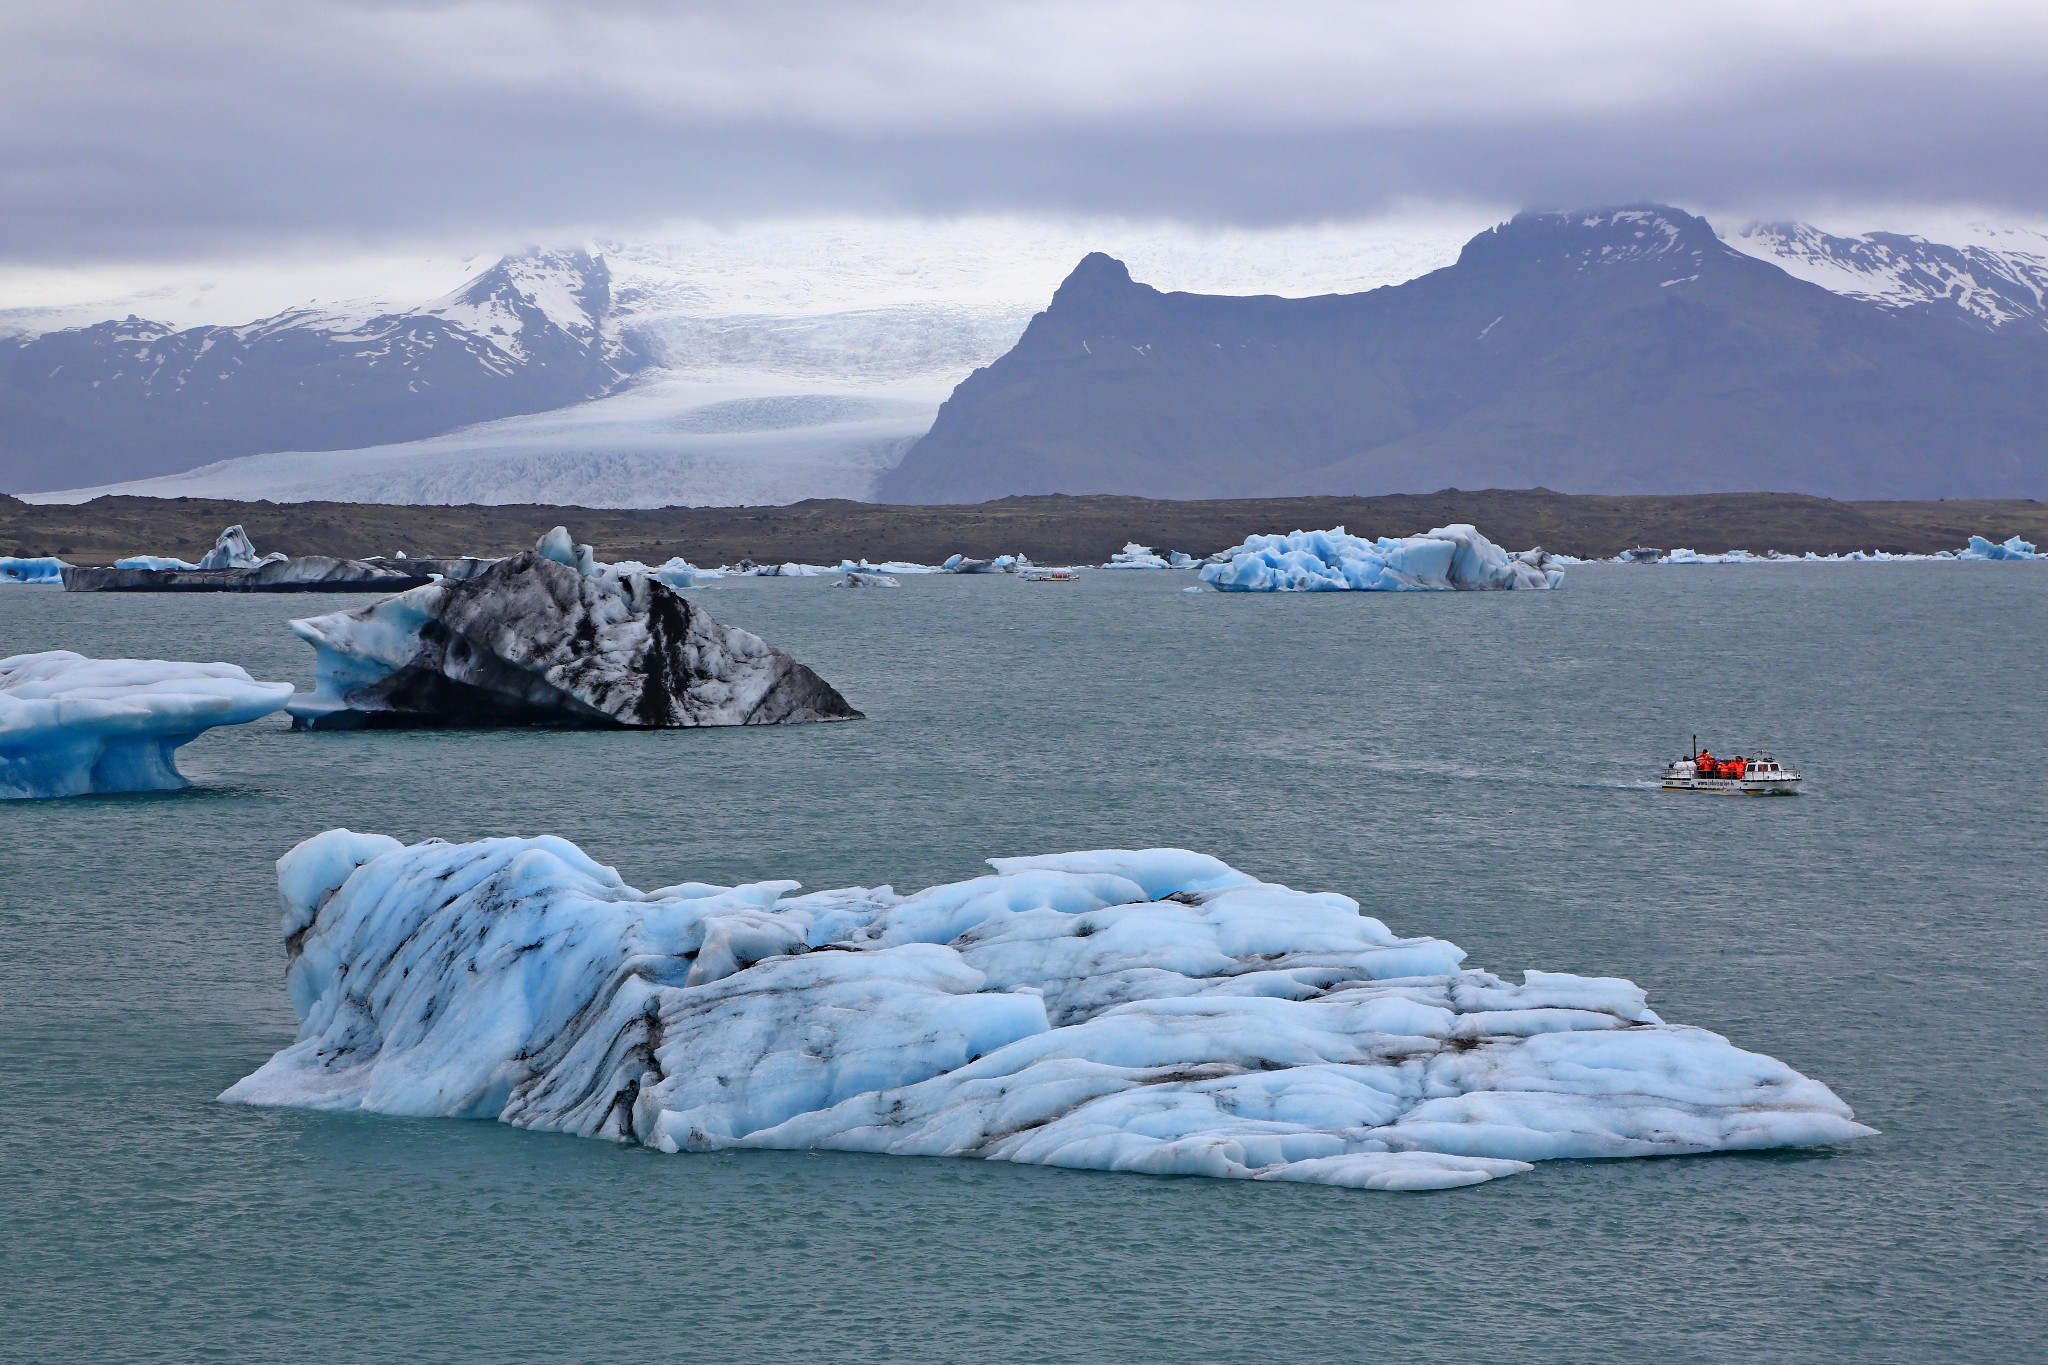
{"x": 32, "y": 569}
{"x": 893, "y": 567}
{"x": 962, "y": 564}
{"x": 1449, "y": 557}
{"x": 1136, "y": 556}
{"x": 865, "y": 580}
{"x": 232, "y": 549}
{"x": 154, "y": 563}
{"x": 550, "y": 637}
{"x": 1152, "y": 1011}
{"x": 73, "y": 726}
{"x": 675, "y": 571}
{"x": 678, "y": 572}
{"x": 789, "y": 570}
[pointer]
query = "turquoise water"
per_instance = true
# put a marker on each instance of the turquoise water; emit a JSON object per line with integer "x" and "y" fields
{"x": 1469, "y": 766}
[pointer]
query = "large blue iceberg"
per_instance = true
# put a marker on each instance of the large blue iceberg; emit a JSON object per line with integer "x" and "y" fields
{"x": 1153, "y": 1011}
{"x": 36, "y": 569}
{"x": 73, "y": 726}
{"x": 2012, "y": 548}
{"x": 1445, "y": 559}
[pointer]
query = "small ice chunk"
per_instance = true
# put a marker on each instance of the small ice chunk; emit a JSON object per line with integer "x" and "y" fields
{"x": 232, "y": 549}
{"x": 1136, "y": 556}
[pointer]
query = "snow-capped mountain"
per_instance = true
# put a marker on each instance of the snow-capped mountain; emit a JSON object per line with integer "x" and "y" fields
{"x": 2000, "y": 279}
{"x": 801, "y": 359}
{"x": 135, "y": 398}
{"x": 785, "y": 361}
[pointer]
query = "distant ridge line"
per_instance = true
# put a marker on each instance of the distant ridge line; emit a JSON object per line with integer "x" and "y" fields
{"x": 1053, "y": 528}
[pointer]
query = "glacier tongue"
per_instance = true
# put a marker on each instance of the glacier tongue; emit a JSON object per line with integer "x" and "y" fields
{"x": 1153, "y": 1011}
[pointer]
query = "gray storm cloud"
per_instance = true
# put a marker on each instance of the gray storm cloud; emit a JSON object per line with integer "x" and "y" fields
{"x": 131, "y": 129}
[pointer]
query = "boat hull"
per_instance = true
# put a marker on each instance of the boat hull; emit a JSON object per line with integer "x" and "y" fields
{"x": 1734, "y": 786}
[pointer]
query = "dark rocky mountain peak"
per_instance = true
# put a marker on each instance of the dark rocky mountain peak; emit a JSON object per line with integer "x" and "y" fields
{"x": 1097, "y": 270}
{"x": 1632, "y": 234}
{"x": 1609, "y": 350}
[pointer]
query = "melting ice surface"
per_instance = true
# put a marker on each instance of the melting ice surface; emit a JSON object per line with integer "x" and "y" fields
{"x": 1449, "y": 557}
{"x": 1154, "y": 1011}
{"x": 73, "y": 726}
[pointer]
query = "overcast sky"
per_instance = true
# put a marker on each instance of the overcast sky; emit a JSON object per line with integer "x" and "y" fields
{"x": 160, "y": 129}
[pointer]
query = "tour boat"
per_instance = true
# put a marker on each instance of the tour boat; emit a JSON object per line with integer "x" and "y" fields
{"x": 1757, "y": 775}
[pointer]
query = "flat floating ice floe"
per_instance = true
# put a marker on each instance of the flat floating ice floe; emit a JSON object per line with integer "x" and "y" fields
{"x": 1449, "y": 558}
{"x": 73, "y": 726}
{"x": 1153, "y": 1011}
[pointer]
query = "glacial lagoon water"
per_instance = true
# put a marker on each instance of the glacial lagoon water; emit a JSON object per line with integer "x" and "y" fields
{"x": 1472, "y": 766}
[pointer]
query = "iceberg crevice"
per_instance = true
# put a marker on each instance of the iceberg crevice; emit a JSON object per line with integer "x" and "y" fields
{"x": 1154, "y": 1011}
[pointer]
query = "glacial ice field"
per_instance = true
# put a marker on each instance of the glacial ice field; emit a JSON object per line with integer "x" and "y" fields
{"x": 1154, "y": 1011}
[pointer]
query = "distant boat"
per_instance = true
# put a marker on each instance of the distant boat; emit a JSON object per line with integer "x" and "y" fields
{"x": 1757, "y": 775}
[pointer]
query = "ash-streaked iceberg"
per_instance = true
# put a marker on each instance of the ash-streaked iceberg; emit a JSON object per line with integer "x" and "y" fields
{"x": 1447, "y": 558}
{"x": 233, "y": 565}
{"x": 32, "y": 569}
{"x": 962, "y": 564}
{"x": 73, "y": 726}
{"x": 232, "y": 549}
{"x": 1154, "y": 1011}
{"x": 550, "y": 637}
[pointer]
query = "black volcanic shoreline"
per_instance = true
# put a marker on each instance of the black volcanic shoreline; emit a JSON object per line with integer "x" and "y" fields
{"x": 1052, "y": 529}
